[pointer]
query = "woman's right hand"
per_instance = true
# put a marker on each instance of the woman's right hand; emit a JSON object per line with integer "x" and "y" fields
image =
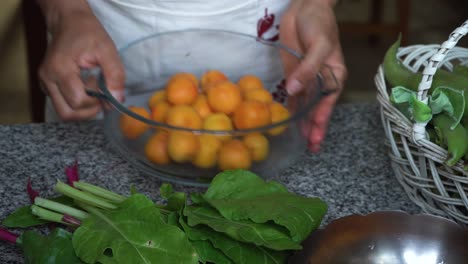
{"x": 78, "y": 42}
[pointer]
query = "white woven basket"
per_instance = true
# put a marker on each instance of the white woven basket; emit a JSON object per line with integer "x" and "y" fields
{"x": 417, "y": 162}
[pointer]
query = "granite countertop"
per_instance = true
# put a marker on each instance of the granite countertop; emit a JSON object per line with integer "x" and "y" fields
{"x": 352, "y": 173}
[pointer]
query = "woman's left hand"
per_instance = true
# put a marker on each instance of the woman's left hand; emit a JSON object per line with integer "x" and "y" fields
{"x": 310, "y": 28}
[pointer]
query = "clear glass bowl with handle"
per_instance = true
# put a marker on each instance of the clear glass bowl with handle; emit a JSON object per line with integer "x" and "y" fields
{"x": 152, "y": 61}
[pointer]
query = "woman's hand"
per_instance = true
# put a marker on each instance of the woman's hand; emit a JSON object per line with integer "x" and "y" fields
{"x": 78, "y": 42}
{"x": 310, "y": 27}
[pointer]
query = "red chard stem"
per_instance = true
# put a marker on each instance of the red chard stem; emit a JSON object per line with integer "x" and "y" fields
{"x": 31, "y": 192}
{"x": 6, "y": 235}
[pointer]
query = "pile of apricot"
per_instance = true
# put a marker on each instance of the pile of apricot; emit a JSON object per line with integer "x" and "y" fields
{"x": 212, "y": 102}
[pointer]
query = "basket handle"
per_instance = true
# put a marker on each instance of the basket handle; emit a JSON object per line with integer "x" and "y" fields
{"x": 419, "y": 128}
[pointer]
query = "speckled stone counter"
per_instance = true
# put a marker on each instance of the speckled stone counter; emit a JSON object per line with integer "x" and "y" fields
{"x": 351, "y": 173}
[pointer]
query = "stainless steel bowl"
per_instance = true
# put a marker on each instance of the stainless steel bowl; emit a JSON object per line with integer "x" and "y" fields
{"x": 387, "y": 237}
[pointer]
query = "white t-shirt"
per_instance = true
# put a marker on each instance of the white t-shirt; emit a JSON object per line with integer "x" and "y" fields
{"x": 127, "y": 20}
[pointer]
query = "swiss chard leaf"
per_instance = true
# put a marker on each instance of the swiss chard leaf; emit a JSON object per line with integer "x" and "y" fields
{"x": 54, "y": 248}
{"x": 268, "y": 235}
{"x": 241, "y": 195}
{"x": 23, "y": 216}
{"x": 132, "y": 233}
{"x": 175, "y": 200}
{"x": 232, "y": 251}
{"x": 208, "y": 253}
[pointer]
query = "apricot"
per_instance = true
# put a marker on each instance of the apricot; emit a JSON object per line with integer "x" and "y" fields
{"x": 251, "y": 114}
{"x": 224, "y": 97}
{"x": 202, "y": 107}
{"x": 156, "y": 148}
{"x": 249, "y": 82}
{"x": 206, "y": 156}
{"x": 261, "y": 95}
{"x": 181, "y": 91}
{"x": 159, "y": 111}
{"x": 211, "y": 77}
{"x": 182, "y": 146}
{"x": 184, "y": 116}
{"x": 234, "y": 155}
{"x": 278, "y": 113}
{"x": 258, "y": 145}
{"x": 218, "y": 122}
{"x": 132, "y": 128}
{"x": 188, "y": 75}
{"x": 157, "y": 96}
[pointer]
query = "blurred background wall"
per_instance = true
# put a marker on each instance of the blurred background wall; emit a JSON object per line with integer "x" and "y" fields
{"x": 14, "y": 105}
{"x": 429, "y": 21}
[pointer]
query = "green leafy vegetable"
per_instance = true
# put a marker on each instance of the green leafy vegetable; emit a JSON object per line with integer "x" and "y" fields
{"x": 23, "y": 218}
{"x": 175, "y": 200}
{"x": 236, "y": 251}
{"x": 132, "y": 233}
{"x": 267, "y": 235}
{"x": 208, "y": 253}
{"x": 54, "y": 248}
{"x": 242, "y": 195}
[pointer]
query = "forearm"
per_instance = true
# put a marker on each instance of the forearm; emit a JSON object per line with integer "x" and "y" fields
{"x": 55, "y": 11}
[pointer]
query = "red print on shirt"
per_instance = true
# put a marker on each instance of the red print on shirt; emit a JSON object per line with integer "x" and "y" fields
{"x": 266, "y": 28}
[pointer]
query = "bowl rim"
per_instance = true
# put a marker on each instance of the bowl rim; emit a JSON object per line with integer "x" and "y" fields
{"x": 105, "y": 94}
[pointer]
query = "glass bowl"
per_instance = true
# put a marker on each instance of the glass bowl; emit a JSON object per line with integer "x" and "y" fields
{"x": 151, "y": 61}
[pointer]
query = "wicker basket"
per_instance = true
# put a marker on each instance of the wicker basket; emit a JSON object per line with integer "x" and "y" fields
{"x": 417, "y": 162}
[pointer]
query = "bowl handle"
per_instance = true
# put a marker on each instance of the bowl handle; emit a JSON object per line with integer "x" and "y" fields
{"x": 89, "y": 78}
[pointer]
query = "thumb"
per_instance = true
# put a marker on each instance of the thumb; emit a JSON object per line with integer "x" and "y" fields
{"x": 308, "y": 68}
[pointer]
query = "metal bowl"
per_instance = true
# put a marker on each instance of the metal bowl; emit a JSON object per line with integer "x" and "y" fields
{"x": 387, "y": 237}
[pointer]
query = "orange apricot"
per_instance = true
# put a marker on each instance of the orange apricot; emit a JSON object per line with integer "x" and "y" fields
{"x": 251, "y": 114}
{"x": 184, "y": 116}
{"x": 182, "y": 146}
{"x": 159, "y": 111}
{"x": 157, "y": 96}
{"x": 249, "y": 82}
{"x": 181, "y": 91}
{"x": 202, "y": 107}
{"x": 258, "y": 145}
{"x": 132, "y": 128}
{"x": 206, "y": 156}
{"x": 224, "y": 97}
{"x": 218, "y": 122}
{"x": 278, "y": 113}
{"x": 188, "y": 75}
{"x": 261, "y": 95}
{"x": 211, "y": 77}
{"x": 156, "y": 148}
{"x": 234, "y": 155}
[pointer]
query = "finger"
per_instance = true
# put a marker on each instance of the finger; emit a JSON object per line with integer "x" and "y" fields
{"x": 64, "y": 111}
{"x": 113, "y": 71}
{"x": 320, "y": 119}
{"x": 309, "y": 66}
{"x": 65, "y": 75}
{"x": 74, "y": 92}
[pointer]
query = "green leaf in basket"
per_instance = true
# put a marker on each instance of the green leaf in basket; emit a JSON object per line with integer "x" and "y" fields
{"x": 450, "y": 101}
{"x": 407, "y": 102}
{"x": 421, "y": 111}
{"x": 401, "y": 95}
